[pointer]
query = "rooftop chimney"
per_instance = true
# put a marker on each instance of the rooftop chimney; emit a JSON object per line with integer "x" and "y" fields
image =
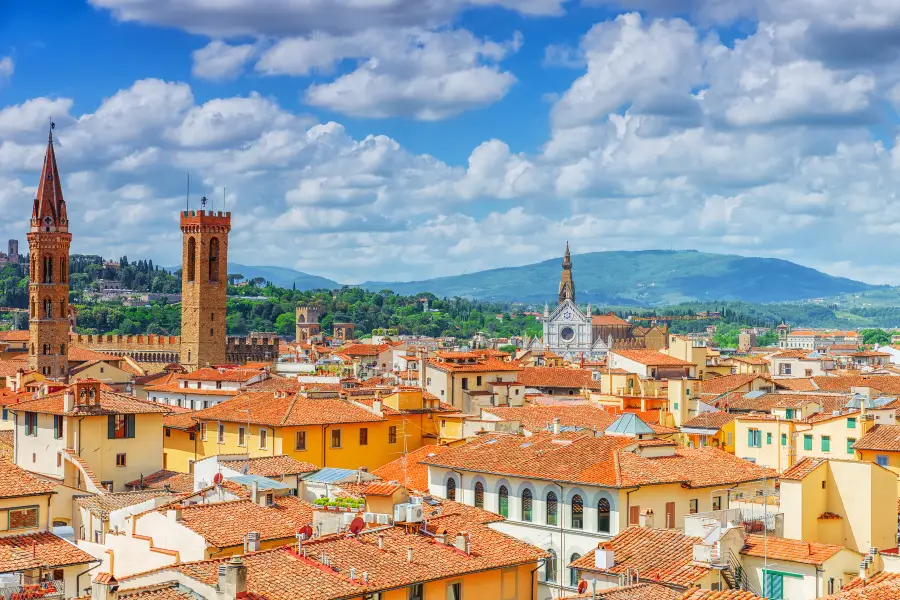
{"x": 104, "y": 587}
{"x": 376, "y": 407}
{"x": 251, "y": 542}
{"x": 409, "y": 553}
{"x": 381, "y": 541}
{"x": 604, "y": 557}
{"x": 235, "y": 579}
{"x": 174, "y": 513}
{"x": 68, "y": 401}
{"x": 462, "y": 541}
{"x": 556, "y": 426}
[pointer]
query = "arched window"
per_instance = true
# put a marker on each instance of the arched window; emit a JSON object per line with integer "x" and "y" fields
{"x": 479, "y": 494}
{"x": 62, "y": 349}
{"x": 191, "y": 259}
{"x": 573, "y": 573}
{"x": 503, "y": 501}
{"x": 33, "y": 315}
{"x": 526, "y": 505}
{"x": 552, "y": 509}
{"x": 34, "y": 272}
{"x": 550, "y": 566}
{"x": 577, "y": 512}
{"x": 48, "y": 308}
{"x": 214, "y": 260}
{"x": 62, "y": 269}
{"x": 603, "y": 516}
{"x": 48, "y": 269}
{"x": 451, "y": 489}
{"x": 62, "y": 309}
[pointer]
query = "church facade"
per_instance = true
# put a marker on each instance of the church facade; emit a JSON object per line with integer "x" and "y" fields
{"x": 575, "y": 333}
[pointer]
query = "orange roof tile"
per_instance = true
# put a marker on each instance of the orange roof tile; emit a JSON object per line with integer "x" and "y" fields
{"x": 39, "y": 550}
{"x": 557, "y": 377}
{"x": 177, "y": 482}
{"x": 665, "y": 555}
{"x": 271, "y": 466}
{"x": 269, "y": 408}
{"x": 210, "y": 374}
{"x": 536, "y": 418}
{"x": 416, "y": 474}
{"x": 16, "y": 482}
{"x": 110, "y": 403}
{"x": 608, "y": 319}
{"x": 79, "y": 354}
{"x": 180, "y": 420}
{"x": 802, "y": 468}
{"x": 164, "y": 591}
{"x": 638, "y": 591}
{"x": 15, "y": 335}
{"x": 709, "y": 420}
{"x": 7, "y": 438}
{"x": 880, "y": 437}
{"x": 382, "y": 488}
{"x": 728, "y": 383}
{"x": 488, "y": 365}
{"x": 652, "y": 358}
{"x": 11, "y": 366}
{"x": 880, "y": 586}
{"x": 800, "y": 551}
{"x": 701, "y": 594}
{"x": 797, "y": 384}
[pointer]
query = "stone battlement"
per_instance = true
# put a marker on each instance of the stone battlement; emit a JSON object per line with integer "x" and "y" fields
{"x": 126, "y": 342}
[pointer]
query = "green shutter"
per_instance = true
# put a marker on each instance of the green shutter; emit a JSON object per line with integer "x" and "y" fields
{"x": 826, "y": 443}
{"x": 851, "y": 423}
{"x": 111, "y": 427}
{"x": 807, "y": 442}
{"x": 129, "y": 426}
{"x": 784, "y": 439}
{"x": 850, "y": 442}
{"x": 750, "y": 438}
{"x": 55, "y": 427}
{"x": 768, "y": 439}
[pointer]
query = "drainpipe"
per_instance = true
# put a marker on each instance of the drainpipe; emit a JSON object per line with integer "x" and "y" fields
{"x": 562, "y": 536}
{"x": 628, "y": 506}
{"x": 533, "y": 577}
{"x": 85, "y": 572}
{"x": 324, "y": 447}
{"x": 273, "y": 440}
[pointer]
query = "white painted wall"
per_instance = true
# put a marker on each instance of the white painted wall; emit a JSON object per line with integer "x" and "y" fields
{"x": 39, "y": 453}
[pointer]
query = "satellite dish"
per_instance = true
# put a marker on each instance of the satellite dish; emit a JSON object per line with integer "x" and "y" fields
{"x": 218, "y": 478}
{"x": 357, "y": 525}
{"x": 582, "y": 586}
{"x": 305, "y": 531}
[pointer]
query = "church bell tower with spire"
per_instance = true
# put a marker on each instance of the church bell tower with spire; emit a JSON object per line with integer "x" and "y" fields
{"x": 567, "y": 283}
{"x": 48, "y": 288}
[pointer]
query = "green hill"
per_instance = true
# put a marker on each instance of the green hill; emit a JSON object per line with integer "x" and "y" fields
{"x": 642, "y": 278}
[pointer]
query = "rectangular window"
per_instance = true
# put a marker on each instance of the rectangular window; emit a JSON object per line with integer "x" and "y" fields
{"x": 807, "y": 442}
{"x": 881, "y": 460}
{"x": 57, "y": 426}
{"x": 784, "y": 439}
{"x": 693, "y": 506}
{"x": 364, "y": 436}
{"x": 454, "y": 590}
{"x": 768, "y": 438}
{"x": 23, "y": 518}
{"x": 416, "y": 591}
{"x": 120, "y": 426}
{"x": 826, "y": 443}
{"x": 5, "y": 414}
{"x": 717, "y": 503}
{"x": 634, "y": 515}
{"x": 168, "y": 432}
{"x": 203, "y": 427}
{"x": 221, "y": 437}
{"x": 728, "y": 438}
{"x": 263, "y": 439}
{"x": 670, "y": 515}
{"x": 218, "y": 385}
{"x": 478, "y": 380}
{"x": 192, "y": 436}
{"x": 120, "y": 460}
{"x": 465, "y": 383}
{"x": 676, "y": 406}
{"x": 335, "y": 438}
{"x": 754, "y": 438}
{"x": 31, "y": 423}
{"x": 242, "y": 436}
{"x": 789, "y": 413}
{"x": 851, "y": 423}
{"x": 300, "y": 440}
{"x": 850, "y": 442}
{"x": 392, "y": 434}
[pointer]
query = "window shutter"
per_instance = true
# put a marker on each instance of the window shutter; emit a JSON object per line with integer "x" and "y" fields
{"x": 129, "y": 426}
{"x": 111, "y": 427}
{"x": 670, "y": 515}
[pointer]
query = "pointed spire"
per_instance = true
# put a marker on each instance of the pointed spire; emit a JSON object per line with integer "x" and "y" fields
{"x": 49, "y": 201}
{"x": 567, "y": 258}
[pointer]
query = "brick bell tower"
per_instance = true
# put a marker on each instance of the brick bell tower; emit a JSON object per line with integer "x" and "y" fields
{"x": 204, "y": 277}
{"x": 48, "y": 288}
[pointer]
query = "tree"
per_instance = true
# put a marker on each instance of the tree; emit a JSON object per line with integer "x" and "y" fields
{"x": 285, "y": 326}
{"x": 233, "y": 278}
{"x": 876, "y": 336}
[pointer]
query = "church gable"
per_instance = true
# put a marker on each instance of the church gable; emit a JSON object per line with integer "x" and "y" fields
{"x": 568, "y": 312}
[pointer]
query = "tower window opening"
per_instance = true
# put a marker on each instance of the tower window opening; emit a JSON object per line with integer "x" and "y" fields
{"x": 214, "y": 260}
{"x": 191, "y": 259}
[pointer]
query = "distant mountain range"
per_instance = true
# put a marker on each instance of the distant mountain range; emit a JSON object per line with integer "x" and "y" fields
{"x": 641, "y": 278}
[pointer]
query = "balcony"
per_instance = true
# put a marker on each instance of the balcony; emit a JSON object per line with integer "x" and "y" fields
{"x": 42, "y": 589}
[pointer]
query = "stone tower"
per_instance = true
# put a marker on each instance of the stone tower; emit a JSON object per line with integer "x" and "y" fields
{"x": 48, "y": 288}
{"x": 567, "y": 283}
{"x": 204, "y": 271}
{"x": 308, "y": 322}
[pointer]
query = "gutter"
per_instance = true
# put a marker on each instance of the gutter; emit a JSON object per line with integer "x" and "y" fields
{"x": 85, "y": 572}
{"x": 628, "y": 506}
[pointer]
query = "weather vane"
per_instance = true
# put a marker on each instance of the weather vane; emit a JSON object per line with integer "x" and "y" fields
{"x": 203, "y": 202}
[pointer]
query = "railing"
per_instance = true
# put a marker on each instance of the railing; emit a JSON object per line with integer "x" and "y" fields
{"x": 737, "y": 576}
{"x": 44, "y": 589}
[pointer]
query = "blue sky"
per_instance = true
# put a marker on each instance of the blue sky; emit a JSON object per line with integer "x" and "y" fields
{"x": 405, "y": 139}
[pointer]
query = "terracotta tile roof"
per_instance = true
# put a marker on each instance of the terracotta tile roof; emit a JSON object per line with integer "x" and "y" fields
{"x": 801, "y": 354}
{"x": 608, "y": 319}
{"x": 9, "y": 367}
{"x": 7, "y": 439}
{"x": 709, "y": 420}
{"x": 880, "y": 437}
{"x": 15, "y": 335}
{"x": 798, "y": 384}
{"x": 416, "y": 473}
{"x": 382, "y": 488}
{"x": 15, "y": 482}
{"x": 665, "y": 555}
{"x": 210, "y": 374}
{"x": 638, "y": 591}
{"x": 750, "y": 360}
{"x": 488, "y": 365}
{"x": 536, "y": 418}
{"x": 766, "y": 402}
{"x": 79, "y": 354}
{"x": 173, "y": 388}
{"x": 557, "y": 377}
{"x": 271, "y": 466}
{"x": 728, "y": 383}
{"x": 111, "y": 403}
{"x": 800, "y": 551}
{"x": 652, "y": 358}
{"x": 180, "y": 420}
{"x": 700, "y": 594}
{"x": 177, "y": 482}
{"x": 802, "y": 468}
{"x": 282, "y": 574}
{"x": 880, "y": 586}
{"x": 273, "y": 383}
{"x": 888, "y": 384}
{"x": 101, "y": 505}
{"x": 164, "y": 591}
{"x": 224, "y": 524}
{"x": 268, "y": 408}
{"x": 602, "y": 461}
{"x": 39, "y": 550}
{"x": 354, "y": 350}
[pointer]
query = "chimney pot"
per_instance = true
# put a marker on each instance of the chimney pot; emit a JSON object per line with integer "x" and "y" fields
{"x": 104, "y": 587}
{"x": 174, "y": 514}
{"x": 409, "y": 553}
{"x": 557, "y": 427}
{"x": 381, "y": 541}
{"x": 462, "y": 541}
